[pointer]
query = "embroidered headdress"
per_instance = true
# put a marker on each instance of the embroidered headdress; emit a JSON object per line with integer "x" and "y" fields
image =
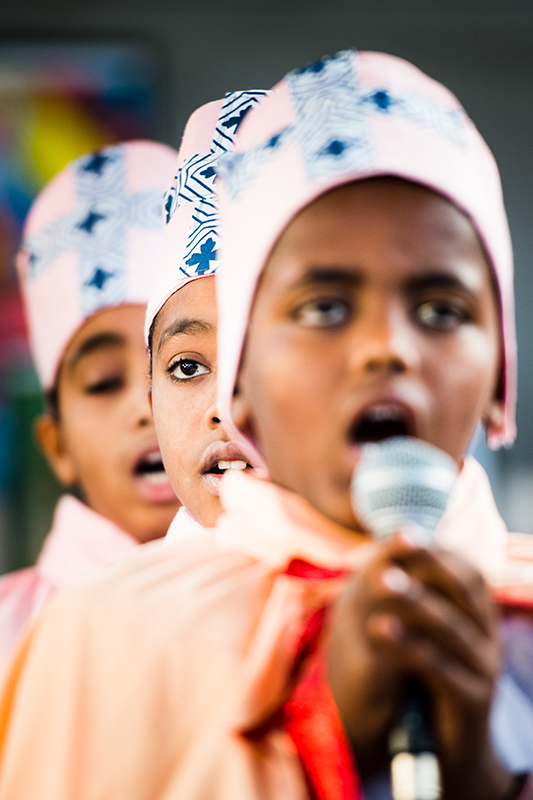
{"x": 91, "y": 240}
{"x": 191, "y": 242}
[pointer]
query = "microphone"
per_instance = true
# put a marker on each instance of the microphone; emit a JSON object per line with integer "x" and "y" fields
{"x": 397, "y": 481}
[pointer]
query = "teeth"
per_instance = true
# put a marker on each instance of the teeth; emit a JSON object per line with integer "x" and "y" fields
{"x": 156, "y": 478}
{"x": 232, "y": 464}
{"x": 383, "y": 413}
{"x": 153, "y": 458}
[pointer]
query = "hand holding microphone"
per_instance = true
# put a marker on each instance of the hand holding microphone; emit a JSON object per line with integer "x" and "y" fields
{"x": 399, "y": 481}
{"x": 415, "y": 617}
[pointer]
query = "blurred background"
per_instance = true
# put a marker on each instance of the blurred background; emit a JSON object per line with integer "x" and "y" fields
{"x": 75, "y": 75}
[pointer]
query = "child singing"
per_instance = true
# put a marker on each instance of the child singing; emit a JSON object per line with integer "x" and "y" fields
{"x": 366, "y": 289}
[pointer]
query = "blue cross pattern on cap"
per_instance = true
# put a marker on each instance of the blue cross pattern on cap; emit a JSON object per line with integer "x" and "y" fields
{"x": 194, "y": 183}
{"x": 97, "y": 228}
{"x": 331, "y": 126}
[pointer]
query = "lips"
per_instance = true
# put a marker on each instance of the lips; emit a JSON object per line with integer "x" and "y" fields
{"x": 151, "y": 479}
{"x": 218, "y": 459}
{"x": 381, "y": 420}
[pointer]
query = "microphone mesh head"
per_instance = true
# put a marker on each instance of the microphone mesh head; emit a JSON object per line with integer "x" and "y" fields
{"x": 402, "y": 480}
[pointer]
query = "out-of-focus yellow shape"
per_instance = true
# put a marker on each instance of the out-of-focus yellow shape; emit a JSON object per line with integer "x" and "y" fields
{"x": 57, "y": 131}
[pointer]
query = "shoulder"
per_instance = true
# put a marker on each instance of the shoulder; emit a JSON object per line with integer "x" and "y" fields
{"x": 22, "y": 594}
{"x": 158, "y": 595}
{"x": 18, "y": 597}
{"x": 158, "y": 638}
{"x": 18, "y": 583}
{"x": 513, "y": 581}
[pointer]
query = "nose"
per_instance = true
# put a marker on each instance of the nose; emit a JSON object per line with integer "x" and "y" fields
{"x": 142, "y": 408}
{"x": 386, "y": 341}
{"x": 212, "y": 417}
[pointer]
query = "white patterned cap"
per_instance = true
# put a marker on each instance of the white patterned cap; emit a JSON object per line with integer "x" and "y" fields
{"x": 191, "y": 244}
{"x": 91, "y": 241}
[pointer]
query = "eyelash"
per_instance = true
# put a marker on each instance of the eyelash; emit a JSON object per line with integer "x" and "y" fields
{"x": 179, "y": 362}
{"x": 450, "y": 310}
{"x": 320, "y": 306}
{"x": 454, "y": 312}
{"x": 106, "y": 386}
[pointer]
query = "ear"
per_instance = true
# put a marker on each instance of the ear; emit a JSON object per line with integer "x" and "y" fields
{"x": 150, "y": 398}
{"x": 50, "y": 437}
{"x": 493, "y": 418}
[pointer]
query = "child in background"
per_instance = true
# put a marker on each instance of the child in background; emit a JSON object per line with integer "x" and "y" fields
{"x": 91, "y": 242}
{"x": 181, "y": 323}
{"x": 349, "y": 307}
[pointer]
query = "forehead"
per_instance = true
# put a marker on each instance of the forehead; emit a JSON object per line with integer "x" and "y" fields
{"x": 359, "y": 220}
{"x": 122, "y": 325}
{"x": 194, "y": 302}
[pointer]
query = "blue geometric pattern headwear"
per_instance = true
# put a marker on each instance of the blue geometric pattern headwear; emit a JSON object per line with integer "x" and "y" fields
{"x": 195, "y": 184}
{"x": 90, "y": 241}
{"x": 331, "y": 130}
{"x": 98, "y": 227}
{"x": 191, "y": 209}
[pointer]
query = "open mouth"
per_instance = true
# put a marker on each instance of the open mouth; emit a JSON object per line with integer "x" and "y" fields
{"x": 219, "y": 459}
{"x": 221, "y": 456}
{"x": 220, "y": 467}
{"x": 215, "y": 468}
{"x": 381, "y": 422}
{"x": 150, "y": 468}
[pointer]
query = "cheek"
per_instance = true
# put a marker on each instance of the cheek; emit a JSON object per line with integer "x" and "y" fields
{"x": 169, "y": 422}
{"x": 88, "y": 430}
{"x": 178, "y": 417}
{"x": 464, "y": 384}
{"x": 473, "y": 367}
{"x": 288, "y": 389}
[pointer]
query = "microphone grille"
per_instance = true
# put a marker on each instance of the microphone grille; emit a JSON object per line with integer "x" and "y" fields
{"x": 401, "y": 480}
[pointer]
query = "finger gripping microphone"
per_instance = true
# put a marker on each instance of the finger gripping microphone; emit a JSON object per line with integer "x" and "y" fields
{"x": 398, "y": 481}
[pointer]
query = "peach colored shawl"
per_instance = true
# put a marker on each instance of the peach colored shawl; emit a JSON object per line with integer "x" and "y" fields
{"x": 142, "y": 686}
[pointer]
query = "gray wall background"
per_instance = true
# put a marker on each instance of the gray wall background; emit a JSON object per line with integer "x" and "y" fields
{"x": 483, "y": 51}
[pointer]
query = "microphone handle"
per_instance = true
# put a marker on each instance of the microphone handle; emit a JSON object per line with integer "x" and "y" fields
{"x": 415, "y": 771}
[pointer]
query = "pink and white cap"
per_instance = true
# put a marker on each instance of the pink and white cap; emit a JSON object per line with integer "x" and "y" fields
{"x": 91, "y": 241}
{"x": 344, "y": 118}
{"x": 191, "y": 242}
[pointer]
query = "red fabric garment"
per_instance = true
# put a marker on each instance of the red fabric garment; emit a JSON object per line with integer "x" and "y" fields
{"x": 309, "y": 715}
{"x": 311, "y": 719}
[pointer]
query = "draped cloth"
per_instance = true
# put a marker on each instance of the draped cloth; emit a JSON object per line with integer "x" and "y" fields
{"x": 80, "y": 544}
{"x": 182, "y": 674}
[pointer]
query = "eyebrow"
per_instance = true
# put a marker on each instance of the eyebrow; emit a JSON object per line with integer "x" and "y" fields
{"x": 334, "y": 274}
{"x": 438, "y": 280}
{"x": 350, "y": 277}
{"x": 184, "y": 326}
{"x": 433, "y": 278}
{"x": 106, "y": 340}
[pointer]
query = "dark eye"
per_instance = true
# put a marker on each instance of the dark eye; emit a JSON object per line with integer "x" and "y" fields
{"x": 186, "y": 368}
{"x": 443, "y": 315}
{"x": 323, "y": 313}
{"x": 106, "y": 385}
